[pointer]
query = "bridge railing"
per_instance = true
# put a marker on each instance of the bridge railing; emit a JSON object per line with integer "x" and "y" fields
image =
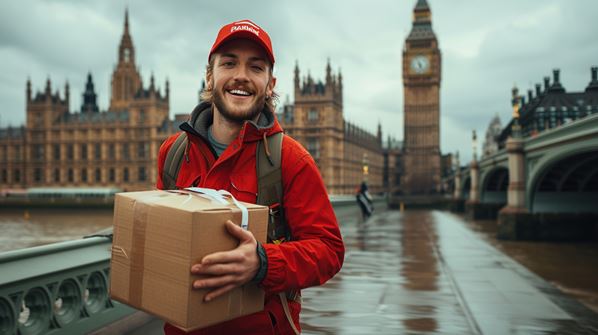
{"x": 63, "y": 288}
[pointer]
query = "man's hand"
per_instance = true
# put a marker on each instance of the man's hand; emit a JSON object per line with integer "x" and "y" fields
{"x": 228, "y": 269}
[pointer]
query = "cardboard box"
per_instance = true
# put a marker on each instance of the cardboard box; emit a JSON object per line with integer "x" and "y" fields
{"x": 158, "y": 236}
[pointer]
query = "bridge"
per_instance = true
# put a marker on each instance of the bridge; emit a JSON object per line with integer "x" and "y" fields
{"x": 63, "y": 288}
{"x": 404, "y": 272}
{"x": 539, "y": 187}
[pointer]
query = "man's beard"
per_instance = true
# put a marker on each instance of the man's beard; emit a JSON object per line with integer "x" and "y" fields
{"x": 254, "y": 110}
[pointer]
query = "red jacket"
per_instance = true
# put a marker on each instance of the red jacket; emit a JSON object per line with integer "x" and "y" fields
{"x": 316, "y": 251}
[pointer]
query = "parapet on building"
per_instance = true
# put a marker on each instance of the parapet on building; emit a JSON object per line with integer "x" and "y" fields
{"x": 552, "y": 106}
{"x": 114, "y": 148}
{"x": 345, "y": 153}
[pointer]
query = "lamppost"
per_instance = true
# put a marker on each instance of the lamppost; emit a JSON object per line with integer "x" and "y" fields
{"x": 515, "y": 100}
{"x": 365, "y": 167}
{"x": 473, "y": 192}
{"x": 474, "y": 145}
{"x": 457, "y": 188}
{"x": 514, "y": 214}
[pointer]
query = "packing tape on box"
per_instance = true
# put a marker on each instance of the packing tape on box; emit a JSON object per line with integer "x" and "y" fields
{"x": 141, "y": 209}
{"x": 221, "y": 196}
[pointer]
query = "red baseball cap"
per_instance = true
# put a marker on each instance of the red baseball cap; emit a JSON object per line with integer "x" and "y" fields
{"x": 244, "y": 29}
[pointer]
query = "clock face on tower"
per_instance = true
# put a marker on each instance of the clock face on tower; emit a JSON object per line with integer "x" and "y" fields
{"x": 420, "y": 64}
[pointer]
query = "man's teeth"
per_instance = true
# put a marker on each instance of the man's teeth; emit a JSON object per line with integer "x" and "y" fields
{"x": 239, "y": 92}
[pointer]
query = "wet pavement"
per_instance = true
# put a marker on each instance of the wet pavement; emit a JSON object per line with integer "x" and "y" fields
{"x": 427, "y": 272}
{"x": 416, "y": 272}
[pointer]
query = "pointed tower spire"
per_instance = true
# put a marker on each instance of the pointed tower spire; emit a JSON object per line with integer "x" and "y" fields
{"x": 127, "y": 20}
{"x": 422, "y": 22}
{"x": 152, "y": 83}
{"x": 28, "y": 89}
{"x": 422, "y": 5}
{"x": 89, "y": 96}
{"x": 67, "y": 93}
{"x": 48, "y": 87}
{"x": 126, "y": 51}
{"x": 379, "y": 132}
{"x": 167, "y": 89}
{"x": 126, "y": 80}
{"x": 297, "y": 80}
{"x": 328, "y": 73}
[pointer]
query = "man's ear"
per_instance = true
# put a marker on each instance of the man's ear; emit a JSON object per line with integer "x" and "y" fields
{"x": 270, "y": 86}
{"x": 208, "y": 81}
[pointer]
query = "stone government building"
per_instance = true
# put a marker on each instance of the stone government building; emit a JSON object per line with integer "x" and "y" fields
{"x": 345, "y": 153}
{"x": 89, "y": 148}
{"x": 118, "y": 148}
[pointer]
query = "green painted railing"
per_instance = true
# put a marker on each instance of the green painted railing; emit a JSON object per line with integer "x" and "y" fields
{"x": 62, "y": 288}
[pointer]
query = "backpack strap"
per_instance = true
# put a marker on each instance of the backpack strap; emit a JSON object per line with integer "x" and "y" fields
{"x": 270, "y": 193}
{"x": 269, "y": 185}
{"x": 173, "y": 161}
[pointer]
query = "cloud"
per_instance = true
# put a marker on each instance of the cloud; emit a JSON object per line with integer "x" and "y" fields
{"x": 487, "y": 46}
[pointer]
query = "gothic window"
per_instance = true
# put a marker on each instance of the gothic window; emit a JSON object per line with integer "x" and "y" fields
{"x": 56, "y": 175}
{"x": 111, "y": 151}
{"x": 38, "y": 152}
{"x": 312, "y": 115}
{"x": 111, "y": 175}
{"x": 127, "y": 55}
{"x": 83, "y": 151}
{"x": 126, "y": 174}
{"x": 37, "y": 175}
{"x": 56, "y": 152}
{"x": 84, "y": 175}
{"x": 142, "y": 149}
{"x": 17, "y": 153}
{"x": 4, "y": 176}
{"x": 17, "y": 176}
{"x": 71, "y": 175}
{"x": 70, "y": 152}
{"x": 125, "y": 154}
{"x": 98, "y": 151}
{"x": 98, "y": 175}
{"x": 141, "y": 174}
{"x": 288, "y": 114}
{"x": 313, "y": 146}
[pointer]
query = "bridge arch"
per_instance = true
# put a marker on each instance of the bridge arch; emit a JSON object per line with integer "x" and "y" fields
{"x": 494, "y": 185}
{"x": 565, "y": 180}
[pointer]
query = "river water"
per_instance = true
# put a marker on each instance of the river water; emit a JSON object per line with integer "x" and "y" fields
{"x": 572, "y": 267}
{"x": 22, "y": 229}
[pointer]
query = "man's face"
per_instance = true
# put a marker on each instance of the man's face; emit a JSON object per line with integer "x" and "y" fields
{"x": 241, "y": 79}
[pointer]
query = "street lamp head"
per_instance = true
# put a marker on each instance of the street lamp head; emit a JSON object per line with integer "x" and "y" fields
{"x": 474, "y": 144}
{"x": 515, "y": 101}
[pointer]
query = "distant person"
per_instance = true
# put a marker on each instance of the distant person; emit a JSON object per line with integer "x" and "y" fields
{"x": 364, "y": 200}
{"x": 235, "y": 117}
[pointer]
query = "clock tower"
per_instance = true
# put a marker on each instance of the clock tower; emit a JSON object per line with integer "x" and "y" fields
{"x": 421, "y": 86}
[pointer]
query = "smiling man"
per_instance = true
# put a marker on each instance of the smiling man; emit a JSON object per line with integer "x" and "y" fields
{"x": 219, "y": 143}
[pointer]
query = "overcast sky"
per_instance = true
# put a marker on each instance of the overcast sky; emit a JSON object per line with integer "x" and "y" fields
{"x": 487, "y": 46}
